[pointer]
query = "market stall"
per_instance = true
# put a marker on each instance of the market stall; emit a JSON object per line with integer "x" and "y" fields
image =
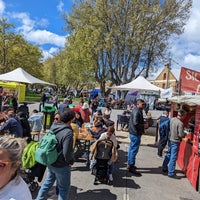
{"x": 13, "y": 88}
{"x": 189, "y": 152}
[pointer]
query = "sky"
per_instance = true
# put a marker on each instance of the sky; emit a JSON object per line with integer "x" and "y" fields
{"x": 41, "y": 24}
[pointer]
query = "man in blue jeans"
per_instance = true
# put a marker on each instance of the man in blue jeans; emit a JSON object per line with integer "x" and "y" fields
{"x": 136, "y": 129}
{"x": 175, "y": 137}
{"x": 60, "y": 171}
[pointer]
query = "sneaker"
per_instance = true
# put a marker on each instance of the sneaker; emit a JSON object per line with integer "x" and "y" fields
{"x": 160, "y": 157}
{"x": 135, "y": 172}
{"x": 110, "y": 177}
{"x": 128, "y": 167}
{"x": 165, "y": 170}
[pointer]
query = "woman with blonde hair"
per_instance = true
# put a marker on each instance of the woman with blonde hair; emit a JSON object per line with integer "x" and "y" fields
{"x": 11, "y": 183}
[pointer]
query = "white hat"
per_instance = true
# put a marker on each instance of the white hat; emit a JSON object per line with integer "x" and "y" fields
{"x": 85, "y": 106}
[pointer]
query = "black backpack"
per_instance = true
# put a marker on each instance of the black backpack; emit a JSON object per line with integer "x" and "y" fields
{"x": 26, "y": 127}
{"x": 104, "y": 149}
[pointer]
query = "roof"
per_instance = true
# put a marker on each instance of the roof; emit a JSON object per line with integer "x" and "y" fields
{"x": 174, "y": 71}
{"x": 21, "y": 76}
{"x": 140, "y": 83}
{"x": 189, "y": 100}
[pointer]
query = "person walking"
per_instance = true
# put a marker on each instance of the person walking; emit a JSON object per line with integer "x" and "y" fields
{"x": 136, "y": 129}
{"x": 42, "y": 100}
{"x": 175, "y": 137}
{"x": 60, "y": 171}
{"x": 85, "y": 113}
{"x": 63, "y": 105}
{"x": 164, "y": 128}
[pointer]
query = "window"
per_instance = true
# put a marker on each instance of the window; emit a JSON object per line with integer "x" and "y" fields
{"x": 164, "y": 76}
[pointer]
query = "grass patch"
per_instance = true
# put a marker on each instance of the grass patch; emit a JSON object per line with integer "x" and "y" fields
{"x": 35, "y": 97}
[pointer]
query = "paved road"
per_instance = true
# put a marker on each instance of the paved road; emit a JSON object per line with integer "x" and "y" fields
{"x": 152, "y": 185}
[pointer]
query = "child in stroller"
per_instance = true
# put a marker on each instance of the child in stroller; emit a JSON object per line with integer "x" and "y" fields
{"x": 29, "y": 176}
{"x": 30, "y": 168}
{"x": 104, "y": 153}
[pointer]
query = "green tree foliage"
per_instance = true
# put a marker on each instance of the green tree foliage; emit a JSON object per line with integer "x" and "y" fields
{"x": 16, "y": 52}
{"x": 118, "y": 40}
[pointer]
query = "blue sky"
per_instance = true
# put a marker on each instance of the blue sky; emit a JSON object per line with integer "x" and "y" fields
{"x": 41, "y": 24}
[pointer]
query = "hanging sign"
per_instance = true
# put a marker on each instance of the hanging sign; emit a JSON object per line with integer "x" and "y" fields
{"x": 189, "y": 80}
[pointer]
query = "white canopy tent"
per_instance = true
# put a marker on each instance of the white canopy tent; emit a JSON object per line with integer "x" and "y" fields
{"x": 21, "y": 76}
{"x": 139, "y": 84}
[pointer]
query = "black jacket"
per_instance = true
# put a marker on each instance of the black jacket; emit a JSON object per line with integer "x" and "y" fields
{"x": 136, "y": 123}
{"x": 64, "y": 135}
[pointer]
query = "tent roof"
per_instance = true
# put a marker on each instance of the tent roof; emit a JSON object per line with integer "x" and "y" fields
{"x": 140, "y": 83}
{"x": 19, "y": 75}
{"x": 189, "y": 100}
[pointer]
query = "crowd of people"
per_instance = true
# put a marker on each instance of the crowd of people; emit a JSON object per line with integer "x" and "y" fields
{"x": 68, "y": 120}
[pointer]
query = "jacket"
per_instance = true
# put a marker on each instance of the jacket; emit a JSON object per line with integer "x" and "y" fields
{"x": 64, "y": 135}
{"x": 176, "y": 130}
{"x": 136, "y": 122}
{"x": 93, "y": 150}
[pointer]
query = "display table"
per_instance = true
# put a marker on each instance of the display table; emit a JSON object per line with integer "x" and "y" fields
{"x": 189, "y": 162}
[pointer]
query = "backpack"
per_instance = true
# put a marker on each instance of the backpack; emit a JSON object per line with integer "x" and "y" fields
{"x": 104, "y": 149}
{"x": 28, "y": 156}
{"x": 46, "y": 153}
{"x": 26, "y": 127}
{"x": 164, "y": 129}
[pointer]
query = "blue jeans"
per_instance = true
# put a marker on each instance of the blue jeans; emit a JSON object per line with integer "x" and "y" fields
{"x": 111, "y": 168}
{"x": 63, "y": 178}
{"x": 169, "y": 163}
{"x": 133, "y": 148}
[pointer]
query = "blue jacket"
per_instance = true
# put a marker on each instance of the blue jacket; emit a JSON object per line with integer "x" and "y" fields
{"x": 35, "y": 121}
{"x": 14, "y": 127}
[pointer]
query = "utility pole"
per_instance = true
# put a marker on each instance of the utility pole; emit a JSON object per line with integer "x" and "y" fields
{"x": 168, "y": 70}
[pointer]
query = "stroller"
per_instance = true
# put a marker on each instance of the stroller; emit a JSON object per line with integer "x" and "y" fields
{"x": 103, "y": 155}
{"x": 29, "y": 176}
{"x": 30, "y": 168}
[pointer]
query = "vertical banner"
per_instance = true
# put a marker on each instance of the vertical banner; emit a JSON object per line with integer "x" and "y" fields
{"x": 190, "y": 80}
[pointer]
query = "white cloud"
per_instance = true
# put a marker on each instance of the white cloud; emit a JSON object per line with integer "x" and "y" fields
{"x": 27, "y": 23}
{"x": 2, "y": 8}
{"x": 60, "y": 6}
{"x": 191, "y": 60}
{"x": 186, "y": 50}
{"x": 41, "y": 37}
{"x": 53, "y": 50}
{"x": 37, "y": 36}
{"x": 46, "y": 55}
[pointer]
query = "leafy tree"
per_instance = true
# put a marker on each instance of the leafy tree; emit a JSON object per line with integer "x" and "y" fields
{"x": 118, "y": 40}
{"x": 17, "y": 52}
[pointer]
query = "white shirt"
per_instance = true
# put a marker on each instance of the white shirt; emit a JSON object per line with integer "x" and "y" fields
{"x": 112, "y": 138}
{"x": 16, "y": 189}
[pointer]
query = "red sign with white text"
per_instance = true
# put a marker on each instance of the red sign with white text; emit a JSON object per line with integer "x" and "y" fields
{"x": 190, "y": 80}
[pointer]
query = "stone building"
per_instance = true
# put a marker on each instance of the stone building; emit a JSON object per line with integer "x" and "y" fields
{"x": 167, "y": 78}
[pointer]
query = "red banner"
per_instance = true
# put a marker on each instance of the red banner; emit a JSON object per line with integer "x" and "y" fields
{"x": 189, "y": 80}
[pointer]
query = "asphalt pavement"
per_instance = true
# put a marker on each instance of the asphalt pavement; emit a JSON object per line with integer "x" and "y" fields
{"x": 152, "y": 185}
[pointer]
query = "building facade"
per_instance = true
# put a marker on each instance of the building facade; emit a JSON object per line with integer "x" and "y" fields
{"x": 168, "y": 78}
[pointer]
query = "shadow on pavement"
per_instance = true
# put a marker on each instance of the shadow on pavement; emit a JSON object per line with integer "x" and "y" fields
{"x": 97, "y": 194}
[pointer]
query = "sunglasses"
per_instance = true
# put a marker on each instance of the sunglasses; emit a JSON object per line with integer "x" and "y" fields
{"x": 4, "y": 163}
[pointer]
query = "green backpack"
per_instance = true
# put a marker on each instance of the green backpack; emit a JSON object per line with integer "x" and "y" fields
{"x": 28, "y": 156}
{"x": 47, "y": 153}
